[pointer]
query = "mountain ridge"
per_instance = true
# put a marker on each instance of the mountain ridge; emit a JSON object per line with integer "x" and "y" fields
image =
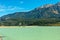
{"x": 44, "y": 12}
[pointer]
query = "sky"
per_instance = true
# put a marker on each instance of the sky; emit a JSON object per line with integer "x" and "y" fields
{"x": 12, "y": 6}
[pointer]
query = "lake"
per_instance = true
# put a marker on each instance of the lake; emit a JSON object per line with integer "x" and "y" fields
{"x": 31, "y": 33}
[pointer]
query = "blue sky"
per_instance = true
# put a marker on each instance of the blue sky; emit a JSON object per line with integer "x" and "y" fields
{"x": 11, "y": 6}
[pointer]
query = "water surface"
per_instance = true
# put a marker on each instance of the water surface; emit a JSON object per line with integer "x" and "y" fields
{"x": 34, "y": 33}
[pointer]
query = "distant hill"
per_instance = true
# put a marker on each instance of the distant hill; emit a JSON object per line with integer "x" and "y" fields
{"x": 44, "y": 15}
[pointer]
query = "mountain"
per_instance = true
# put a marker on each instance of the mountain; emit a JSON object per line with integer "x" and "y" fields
{"x": 45, "y": 13}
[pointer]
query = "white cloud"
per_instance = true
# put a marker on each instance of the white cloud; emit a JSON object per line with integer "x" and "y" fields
{"x": 2, "y": 6}
{"x": 21, "y": 2}
{"x": 9, "y": 8}
{"x": 13, "y": 8}
{"x": 1, "y": 10}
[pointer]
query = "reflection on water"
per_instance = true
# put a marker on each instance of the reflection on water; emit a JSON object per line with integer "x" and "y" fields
{"x": 34, "y": 33}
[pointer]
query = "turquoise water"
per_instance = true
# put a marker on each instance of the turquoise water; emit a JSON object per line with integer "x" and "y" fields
{"x": 34, "y": 33}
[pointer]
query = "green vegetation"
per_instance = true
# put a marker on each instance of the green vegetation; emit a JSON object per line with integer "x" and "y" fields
{"x": 31, "y": 22}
